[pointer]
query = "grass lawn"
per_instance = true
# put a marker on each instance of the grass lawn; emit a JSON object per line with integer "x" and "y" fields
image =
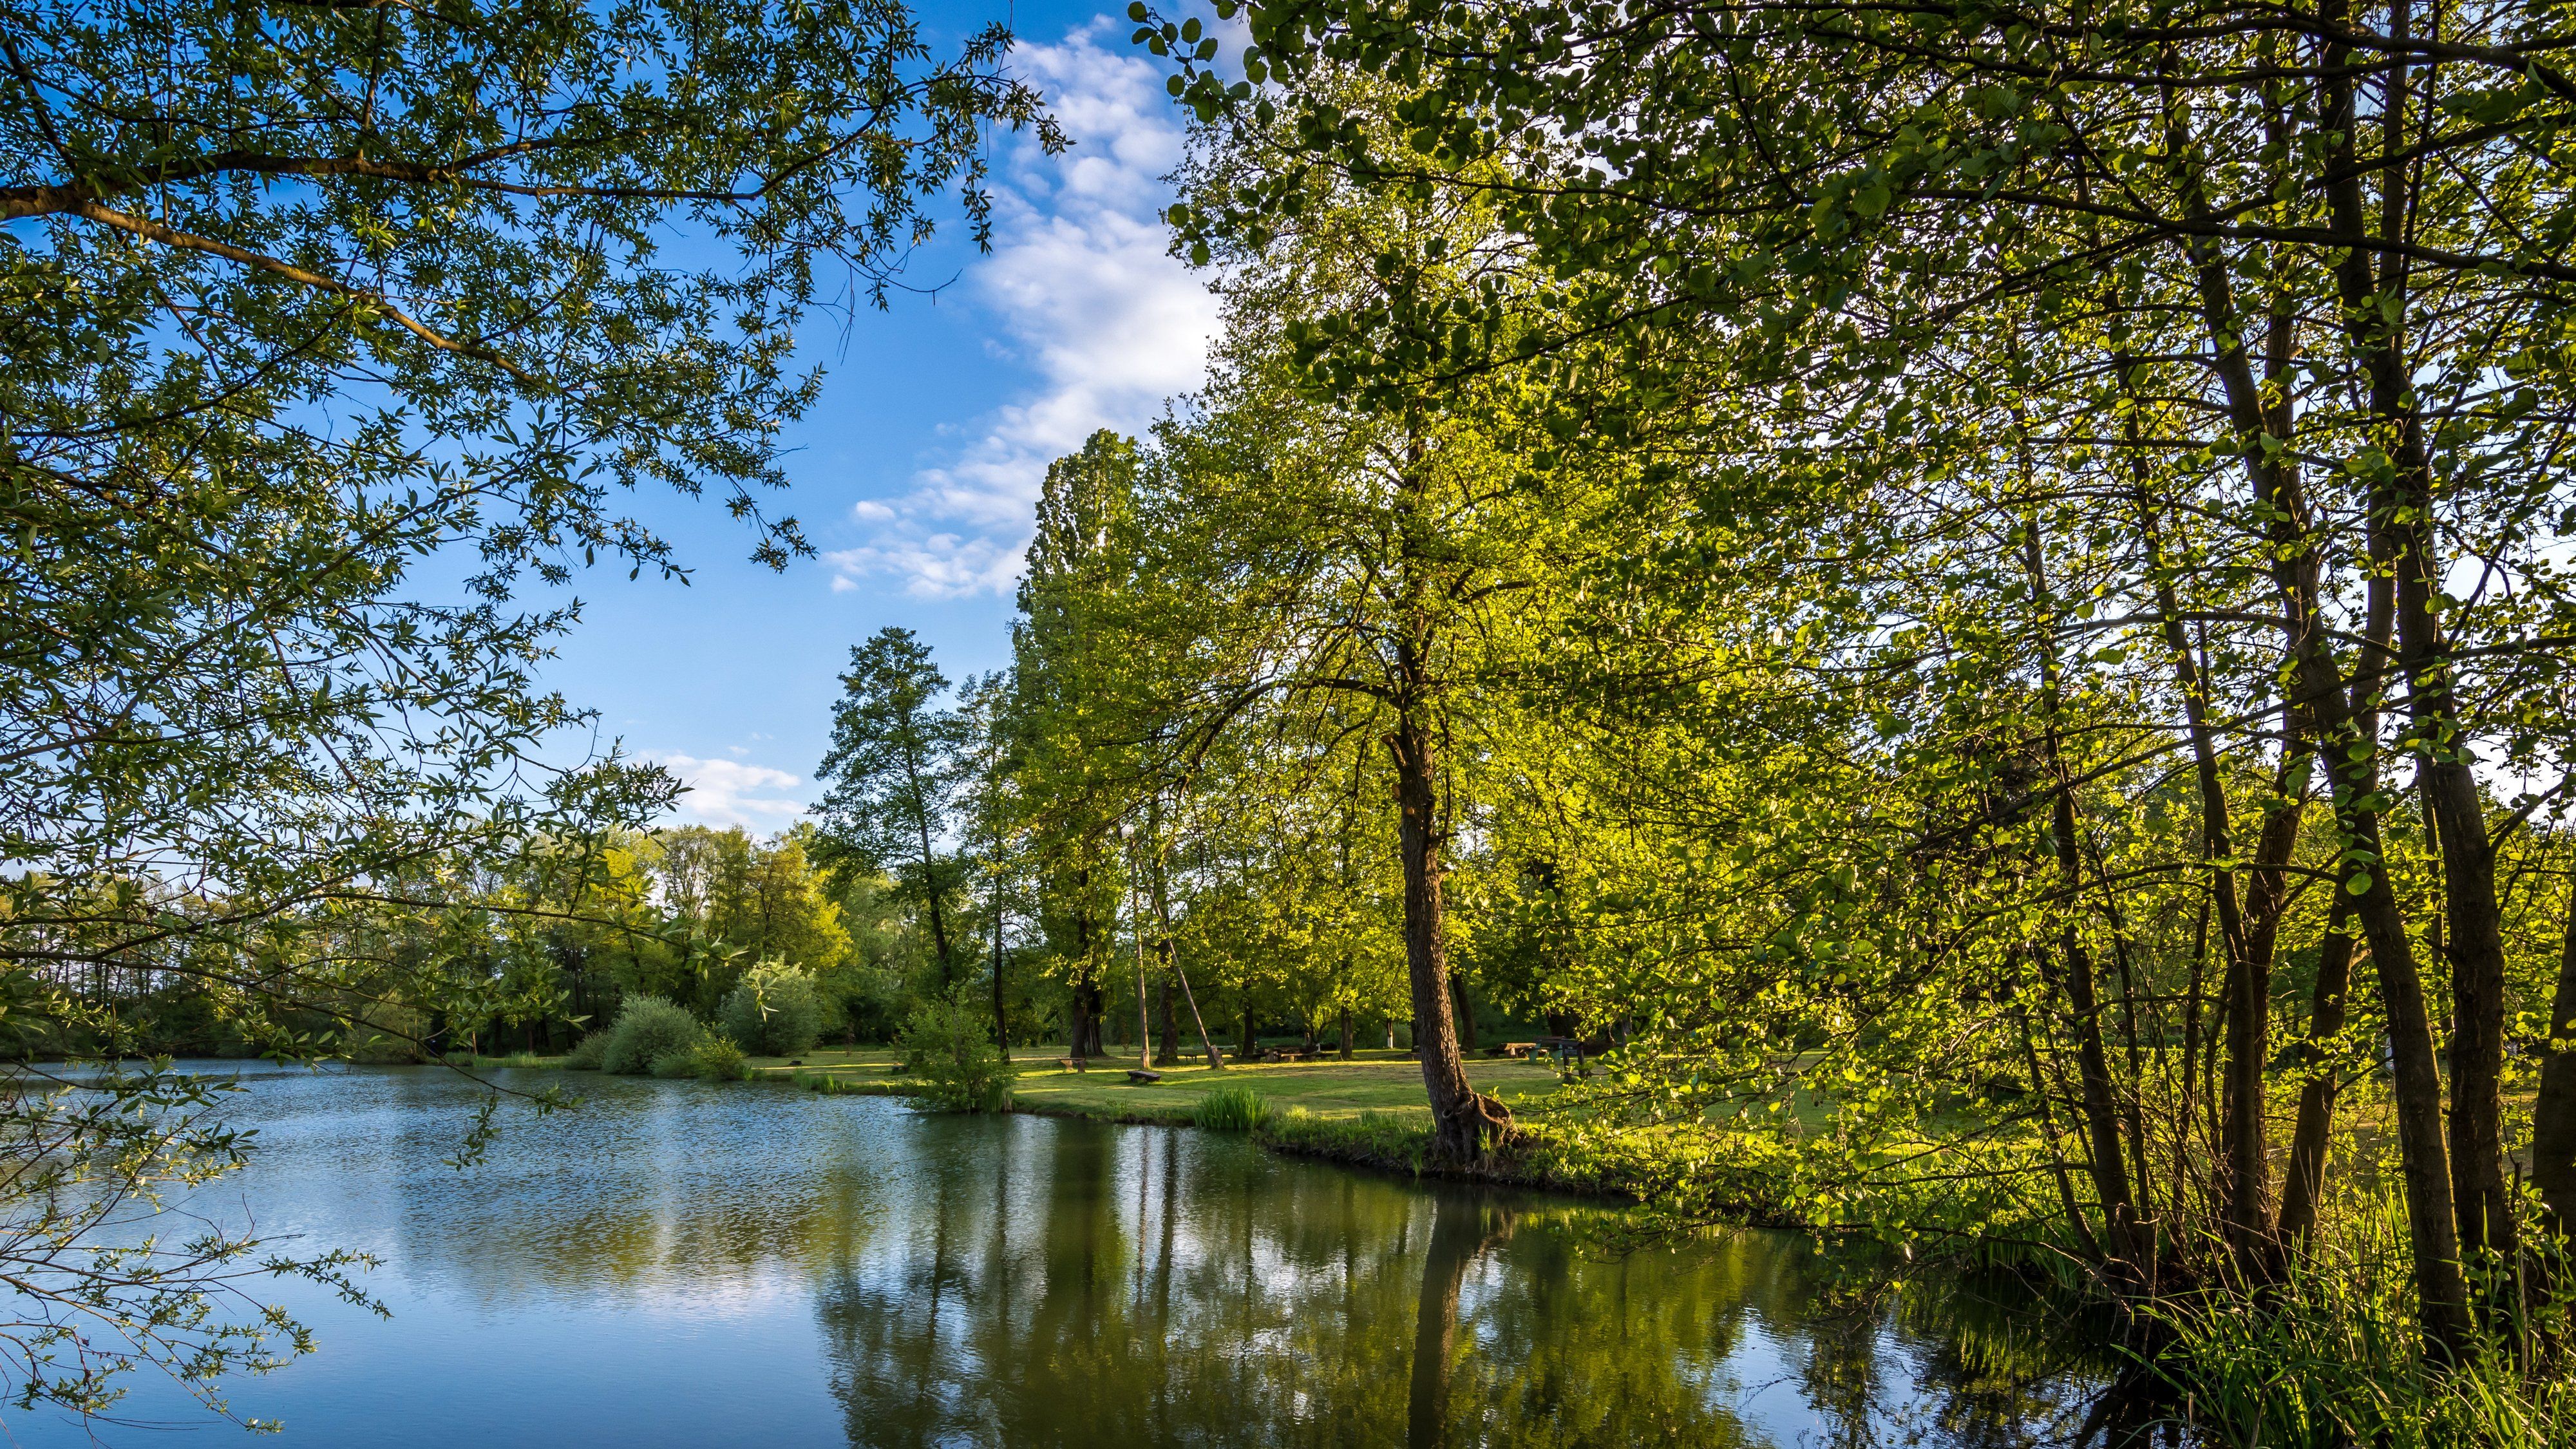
{"x": 1374, "y": 1081}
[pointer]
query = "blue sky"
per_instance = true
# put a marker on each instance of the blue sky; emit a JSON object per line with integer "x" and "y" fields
{"x": 917, "y": 472}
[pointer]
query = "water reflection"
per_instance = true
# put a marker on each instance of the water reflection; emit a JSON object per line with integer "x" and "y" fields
{"x": 678, "y": 1264}
{"x": 1068, "y": 1284}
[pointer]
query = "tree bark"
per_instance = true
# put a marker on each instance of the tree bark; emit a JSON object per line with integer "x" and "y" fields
{"x": 1464, "y": 1120}
{"x": 2553, "y": 1116}
{"x": 1088, "y": 1007}
{"x": 2373, "y": 293}
{"x": 2303, "y": 1187}
{"x": 2105, "y": 1164}
{"x": 1001, "y": 1013}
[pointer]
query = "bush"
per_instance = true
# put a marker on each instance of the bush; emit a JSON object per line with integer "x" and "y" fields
{"x": 775, "y": 1012}
{"x": 588, "y": 1053}
{"x": 648, "y": 1029}
{"x": 719, "y": 1058}
{"x": 1233, "y": 1108}
{"x": 947, "y": 1045}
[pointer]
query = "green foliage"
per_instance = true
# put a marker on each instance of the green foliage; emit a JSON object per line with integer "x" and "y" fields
{"x": 357, "y": 289}
{"x": 775, "y": 1012}
{"x": 1232, "y": 1108}
{"x": 716, "y": 1058}
{"x": 649, "y": 1032}
{"x": 948, "y": 1045}
{"x": 590, "y": 1054}
{"x": 2333, "y": 1358}
{"x": 895, "y": 765}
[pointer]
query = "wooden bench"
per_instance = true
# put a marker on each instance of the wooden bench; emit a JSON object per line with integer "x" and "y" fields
{"x": 1519, "y": 1049}
{"x": 1142, "y": 1077}
{"x": 1073, "y": 1064}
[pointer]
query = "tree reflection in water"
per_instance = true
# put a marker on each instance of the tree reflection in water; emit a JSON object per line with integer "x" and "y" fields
{"x": 1072, "y": 1284}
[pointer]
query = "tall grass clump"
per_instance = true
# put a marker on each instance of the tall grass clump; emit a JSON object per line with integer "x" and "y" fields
{"x": 775, "y": 1012}
{"x": 947, "y": 1046}
{"x": 1235, "y": 1107}
{"x": 2335, "y": 1358}
{"x": 648, "y": 1029}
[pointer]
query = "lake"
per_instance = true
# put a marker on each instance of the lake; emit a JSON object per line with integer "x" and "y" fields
{"x": 681, "y": 1264}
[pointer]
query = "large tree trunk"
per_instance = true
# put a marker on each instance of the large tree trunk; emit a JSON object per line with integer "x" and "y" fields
{"x": 1083, "y": 1038}
{"x": 2553, "y": 1116}
{"x": 1167, "y": 1052}
{"x": 2469, "y": 1195}
{"x": 2318, "y": 708}
{"x": 1463, "y": 1119}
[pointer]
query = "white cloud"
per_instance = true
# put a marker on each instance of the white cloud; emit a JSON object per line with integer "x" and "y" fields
{"x": 1085, "y": 295}
{"x": 729, "y": 792}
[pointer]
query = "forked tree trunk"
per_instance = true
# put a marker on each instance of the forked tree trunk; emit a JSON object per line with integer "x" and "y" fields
{"x": 2374, "y": 306}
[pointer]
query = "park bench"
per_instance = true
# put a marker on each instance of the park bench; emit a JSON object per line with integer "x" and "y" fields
{"x": 1073, "y": 1064}
{"x": 1516, "y": 1050}
{"x": 1142, "y": 1077}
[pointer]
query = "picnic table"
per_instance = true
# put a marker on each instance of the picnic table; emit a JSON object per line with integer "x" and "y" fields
{"x": 1073, "y": 1064}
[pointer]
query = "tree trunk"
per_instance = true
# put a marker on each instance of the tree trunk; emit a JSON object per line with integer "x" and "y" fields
{"x": 1464, "y": 1120}
{"x": 1087, "y": 1006}
{"x": 938, "y": 915}
{"x": 1001, "y": 1014}
{"x": 2304, "y": 1185}
{"x": 2245, "y": 984}
{"x": 2124, "y": 1238}
{"x": 2318, "y": 708}
{"x": 2374, "y": 306}
{"x": 1168, "y": 1041}
{"x": 2553, "y": 1116}
{"x": 1346, "y": 1033}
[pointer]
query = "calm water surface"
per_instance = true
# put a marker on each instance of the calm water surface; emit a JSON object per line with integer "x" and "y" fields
{"x": 678, "y": 1264}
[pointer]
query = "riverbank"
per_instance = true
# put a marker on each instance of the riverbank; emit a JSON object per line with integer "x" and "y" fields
{"x": 1365, "y": 1112}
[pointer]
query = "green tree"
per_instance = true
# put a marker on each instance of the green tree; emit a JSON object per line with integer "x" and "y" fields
{"x": 894, "y": 765}
{"x": 2078, "y": 459}
{"x": 1074, "y": 749}
{"x": 295, "y": 299}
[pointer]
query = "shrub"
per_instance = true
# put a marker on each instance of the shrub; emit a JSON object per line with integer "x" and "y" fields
{"x": 775, "y": 1012}
{"x": 719, "y": 1058}
{"x": 947, "y": 1046}
{"x": 1232, "y": 1108}
{"x": 648, "y": 1029}
{"x": 588, "y": 1053}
